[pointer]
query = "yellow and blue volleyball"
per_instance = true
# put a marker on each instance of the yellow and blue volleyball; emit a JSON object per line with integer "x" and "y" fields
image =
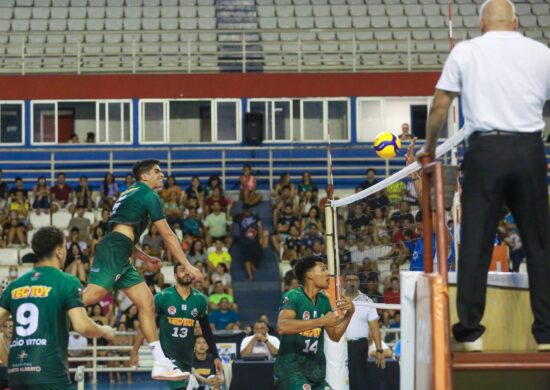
{"x": 387, "y": 145}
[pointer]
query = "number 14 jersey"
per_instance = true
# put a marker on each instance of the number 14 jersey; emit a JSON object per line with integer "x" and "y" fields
{"x": 38, "y": 302}
{"x": 302, "y": 354}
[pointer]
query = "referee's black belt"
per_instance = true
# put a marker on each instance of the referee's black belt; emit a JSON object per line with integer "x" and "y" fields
{"x": 505, "y": 133}
{"x": 362, "y": 339}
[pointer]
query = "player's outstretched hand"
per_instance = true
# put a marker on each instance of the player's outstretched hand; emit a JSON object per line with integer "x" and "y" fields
{"x": 108, "y": 333}
{"x": 194, "y": 271}
{"x": 345, "y": 304}
{"x": 331, "y": 319}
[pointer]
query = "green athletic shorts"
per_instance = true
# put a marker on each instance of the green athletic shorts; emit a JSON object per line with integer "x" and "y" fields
{"x": 48, "y": 386}
{"x": 111, "y": 268}
{"x": 300, "y": 383}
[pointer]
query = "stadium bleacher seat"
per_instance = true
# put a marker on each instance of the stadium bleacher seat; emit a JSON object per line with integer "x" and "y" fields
{"x": 9, "y": 256}
{"x": 61, "y": 219}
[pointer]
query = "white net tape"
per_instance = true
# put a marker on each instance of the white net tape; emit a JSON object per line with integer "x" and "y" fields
{"x": 457, "y": 138}
{"x": 382, "y": 306}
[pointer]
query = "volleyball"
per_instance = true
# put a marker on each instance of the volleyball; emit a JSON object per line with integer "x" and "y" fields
{"x": 387, "y": 145}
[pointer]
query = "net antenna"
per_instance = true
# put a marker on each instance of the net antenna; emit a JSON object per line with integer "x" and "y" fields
{"x": 331, "y": 220}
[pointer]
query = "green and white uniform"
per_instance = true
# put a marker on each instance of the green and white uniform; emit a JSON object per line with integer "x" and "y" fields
{"x": 300, "y": 363}
{"x": 137, "y": 206}
{"x": 177, "y": 317}
{"x": 39, "y": 302}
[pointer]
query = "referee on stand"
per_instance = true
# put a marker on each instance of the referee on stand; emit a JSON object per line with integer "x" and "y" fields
{"x": 364, "y": 319}
{"x": 504, "y": 81}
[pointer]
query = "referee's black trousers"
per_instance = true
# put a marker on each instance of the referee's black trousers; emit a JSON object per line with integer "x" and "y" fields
{"x": 498, "y": 170}
{"x": 358, "y": 354}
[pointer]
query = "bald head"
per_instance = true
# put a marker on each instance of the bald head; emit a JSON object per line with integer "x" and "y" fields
{"x": 498, "y": 15}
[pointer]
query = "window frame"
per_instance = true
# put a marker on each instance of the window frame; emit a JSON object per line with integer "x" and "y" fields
{"x": 22, "y": 103}
{"x": 272, "y": 119}
{"x": 325, "y": 102}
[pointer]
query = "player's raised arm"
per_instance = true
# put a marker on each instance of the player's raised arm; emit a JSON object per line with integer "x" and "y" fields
{"x": 288, "y": 324}
{"x": 87, "y": 327}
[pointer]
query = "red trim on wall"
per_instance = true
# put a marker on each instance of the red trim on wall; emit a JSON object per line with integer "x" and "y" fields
{"x": 225, "y": 85}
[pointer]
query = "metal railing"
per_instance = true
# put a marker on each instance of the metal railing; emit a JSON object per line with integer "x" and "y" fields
{"x": 136, "y": 53}
{"x": 92, "y": 362}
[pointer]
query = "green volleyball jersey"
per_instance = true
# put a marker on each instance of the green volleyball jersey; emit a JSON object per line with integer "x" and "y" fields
{"x": 38, "y": 302}
{"x": 177, "y": 317}
{"x": 137, "y": 206}
{"x": 302, "y": 354}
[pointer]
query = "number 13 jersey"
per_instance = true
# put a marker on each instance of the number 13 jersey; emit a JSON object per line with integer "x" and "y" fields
{"x": 302, "y": 354}
{"x": 38, "y": 302}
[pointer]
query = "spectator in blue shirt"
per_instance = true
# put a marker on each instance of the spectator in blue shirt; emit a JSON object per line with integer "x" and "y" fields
{"x": 223, "y": 318}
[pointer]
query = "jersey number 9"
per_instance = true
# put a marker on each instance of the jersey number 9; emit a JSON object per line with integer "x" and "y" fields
{"x": 27, "y": 319}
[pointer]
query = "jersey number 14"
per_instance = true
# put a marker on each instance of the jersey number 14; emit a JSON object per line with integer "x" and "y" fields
{"x": 310, "y": 347}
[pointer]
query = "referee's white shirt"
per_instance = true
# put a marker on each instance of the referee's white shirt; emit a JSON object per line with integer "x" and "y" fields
{"x": 504, "y": 80}
{"x": 358, "y": 327}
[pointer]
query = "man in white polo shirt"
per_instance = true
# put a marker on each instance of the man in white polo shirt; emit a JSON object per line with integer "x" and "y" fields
{"x": 260, "y": 342}
{"x": 504, "y": 81}
{"x": 357, "y": 333}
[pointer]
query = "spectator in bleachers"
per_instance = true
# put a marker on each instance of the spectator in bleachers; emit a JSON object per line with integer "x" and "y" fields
{"x": 130, "y": 318}
{"x": 7, "y": 332}
{"x": 396, "y": 192}
{"x": 292, "y": 244}
{"x": 309, "y": 237}
{"x": 392, "y": 295}
{"x": 97, "y": 315}
{"x": 379, "y": 225}
{"x": 197, "y": 285}
{"x": 3, "y": 191}
{"x": 345, "y": 254}
{"x": 152, "y": 278}
{"x": 62, "y": 195}
{"x": 153, "y": 240}
{"x": 217, "y": 222}
{"x": 378, "y": 200}
{"x": 307, "y": 185}
{"x": 171, "y": 187}
{"x": 194, "y": 191}
{"x": 204, "y": 368}
{"x": 20, "y": 206}
{"x": 307, "y": 201}
{"x": 90, "y": 137}
{"x": 313, "y": 218}
{"x": 286, "y": 198}
{"x": 14, "y": 230}
{"x": 405, "y": 133}
{"x": 216, "y": 195}
{"x": 103, "y": 222}
{"x": 173, "y": 211}
{"x": 223, "y": 276}
{"x": 107, "y": 304}
{"x": 18, "y": 187}
{"x": 358, "y": 222}
{"x": 73, "y": 139}
{"x": 41, "y": 196}
{"x": 248, "y": 183}
{"x": 218, "y": 255}
{"x": 76, "y": 343}
{"x": 284, "y": 182}
{"x": 224, "y": 318}
{"x": 394, "y": 272}
{"x": 370, "y": 180}
{"x": 109, "y": 191}
{"x": 250, "y": 235}
{"x": 128, "y": 181}
{"x": 213, "y": 182}
{"x": 197, "y": 253}
{"x": 97, "y": 235}
{"x": 192, "y": 223}
{"x": 218, "y": 294}
{"x": 260, "y": 342}
{"x": 318, "y": 249}
{"x": 13, "y": 273}
{"x": 77, "y": 263}
{"x": 291, "y": 283}
{"x": 285, "y": 222}
{"x": 372, "y": 287}
{"x": 404, "y": 213}
{"x": 81, "y": 222}
{"x": 360, "y": 251}
{"x": 84, "y": 194}
{"x": 74, "y": 238}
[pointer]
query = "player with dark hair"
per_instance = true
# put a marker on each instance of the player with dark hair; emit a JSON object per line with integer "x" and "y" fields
{"x": 178, "y": 308}
{"x": 303, "y": 315}
{"x": 40, "y": 302}
{"x": 134, "y": 210}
